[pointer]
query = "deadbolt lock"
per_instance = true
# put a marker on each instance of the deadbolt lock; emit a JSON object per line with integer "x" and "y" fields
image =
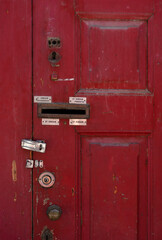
{"x": 37, "y": 146}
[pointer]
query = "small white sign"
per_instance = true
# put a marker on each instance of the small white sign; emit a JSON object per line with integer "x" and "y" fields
{"x": 42, "y": 99}
{"x": 50, "y": 121}
{"x": 78, "y": 122}
{"x": 78, "y": 100}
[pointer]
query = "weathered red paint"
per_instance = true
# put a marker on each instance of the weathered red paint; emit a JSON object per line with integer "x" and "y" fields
{"x": 108, "y": 173}
{"x": 16, "y": 119}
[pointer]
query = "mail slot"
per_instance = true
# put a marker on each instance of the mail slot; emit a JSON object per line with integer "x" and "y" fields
{"x": 63, "y": 110}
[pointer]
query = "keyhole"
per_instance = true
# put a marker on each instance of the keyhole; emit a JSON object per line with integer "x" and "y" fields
{"x": 54, "y": 55}
{"x": 47, "y": 235}
{"x": 46, "y": 180}
{"x": 40, "y": 147}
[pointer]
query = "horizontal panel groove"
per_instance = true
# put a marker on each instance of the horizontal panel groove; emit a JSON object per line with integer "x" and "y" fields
{"x": 114, "y": 92}
{"x": 114, "y": 16}
{"x": 114, "y": 134}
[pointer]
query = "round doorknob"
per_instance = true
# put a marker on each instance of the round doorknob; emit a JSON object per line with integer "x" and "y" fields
{"x": 54, "y": 212}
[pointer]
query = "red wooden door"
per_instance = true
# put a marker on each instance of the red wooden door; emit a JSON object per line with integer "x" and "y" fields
{"x": 108, "y": 172}
{"x": 15, "y": 119}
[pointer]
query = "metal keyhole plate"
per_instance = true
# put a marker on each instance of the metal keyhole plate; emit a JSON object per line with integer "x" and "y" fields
{"x": 54, "y": 57}
{"x": 46, "y": 179}
{"x": 47, "y": 235}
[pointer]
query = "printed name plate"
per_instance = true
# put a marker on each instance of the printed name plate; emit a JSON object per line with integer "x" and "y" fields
{"x": 78, "y": 122}
{"x": 78, "y": 100}
{"x": 48, "y": 121}
{"x": 42, "y": 99}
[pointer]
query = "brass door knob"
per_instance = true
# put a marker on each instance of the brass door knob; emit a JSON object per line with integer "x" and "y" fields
{"x": 54, "y": 212}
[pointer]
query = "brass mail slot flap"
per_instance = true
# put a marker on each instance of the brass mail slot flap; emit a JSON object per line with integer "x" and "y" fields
{"x": 63, "y": 110}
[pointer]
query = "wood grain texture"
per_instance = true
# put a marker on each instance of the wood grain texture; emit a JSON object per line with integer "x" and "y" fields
{"x": 15, "y": 120}
{"x": 114, "y": 187}
{"x": 108, "y": 173}
{"x": 118, "y": 134}
{"x": 55, "y": 19}
{"x": 157, "y": 133}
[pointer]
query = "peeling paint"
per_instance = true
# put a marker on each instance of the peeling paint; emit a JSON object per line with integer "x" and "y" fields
{"x": 115, "y": 190}
{"x": 37, "y": 199}
{"x": 14, "y": 171}
{"x": 41, "y": 79}
{"x": 73, "y": 192}
{"x": 15, "y": 197}
{"x": 45, "y": 201}
{"x": 114, "y": 177}
{"x": 123, "y": 196}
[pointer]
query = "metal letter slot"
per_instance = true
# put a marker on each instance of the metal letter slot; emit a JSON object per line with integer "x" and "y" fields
{"x": 63, "y": 110}
{"x": 37, "y": 146}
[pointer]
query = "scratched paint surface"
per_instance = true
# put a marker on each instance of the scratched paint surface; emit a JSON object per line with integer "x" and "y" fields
{"x": 102, "y": 169}
{"x": 114, "y": 178}
{"x": 111, "y": 54}
{"x": 59, "y": 157}
{"x": 14, "y": 171}
{"x": 15, "y": 121}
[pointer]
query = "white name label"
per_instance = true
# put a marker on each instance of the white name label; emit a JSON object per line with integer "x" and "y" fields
{"x": 78, "y": 100}
{"x": 78, "y": 122}
{"x": 49, "y": 121}
{"x": 42, "y": 99}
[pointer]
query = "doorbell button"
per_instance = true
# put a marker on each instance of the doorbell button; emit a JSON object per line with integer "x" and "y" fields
{"x": 46, "y": 179}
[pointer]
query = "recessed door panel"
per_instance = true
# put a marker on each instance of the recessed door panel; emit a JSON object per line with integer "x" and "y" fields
{"x": 108, "y": 63}
{"x": 114, "y": 187}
